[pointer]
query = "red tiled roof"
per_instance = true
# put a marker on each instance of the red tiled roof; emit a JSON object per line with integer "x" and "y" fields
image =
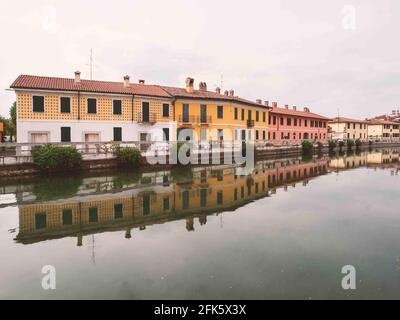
{"x": 209, "y": 95}
{"x": 65, "y": 84}
{"x": 342, "y": 119}
{"x": 297, "y": 113}
{"x": 380, "y": 121}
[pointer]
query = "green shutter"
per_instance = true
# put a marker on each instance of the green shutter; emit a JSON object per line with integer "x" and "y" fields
{"x": 65, "y": 104}
{"x": 65, "y": 134}
{"x": 91, "y": 105}
{"x": 117, "y": 107}
{"x": 38, "y": 104}
{"x": 117, "y": 134}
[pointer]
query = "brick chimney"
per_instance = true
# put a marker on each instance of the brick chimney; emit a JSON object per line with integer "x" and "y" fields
{"x": 275, "y": 104}
{"x": 189, "y": 84}
{"x": 306, "y": 109}
{"x": 226, "y": 92}
{"x": 126, "y": 81}
{"x": 77, "y": 77}
{"x": 141, "y": 81}
{"x": 203, "y": 86}
{"x": 266, "y": 103}
{"x": 294, "y": 108}
{"x": 218, "y": 90}
{"x": 286, "y": 106}
{"x": 231, "y": 92}
{"x": 259, "y": 101}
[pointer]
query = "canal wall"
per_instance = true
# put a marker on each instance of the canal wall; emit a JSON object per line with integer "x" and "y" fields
{"x": 10, "y": 171}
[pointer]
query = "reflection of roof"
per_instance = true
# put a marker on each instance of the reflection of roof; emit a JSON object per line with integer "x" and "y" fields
{"x": 208, "y": 95}
{"x": 65, "y": 84}
{"x": 346, "y": 120}
{"x": 298, "y": 113}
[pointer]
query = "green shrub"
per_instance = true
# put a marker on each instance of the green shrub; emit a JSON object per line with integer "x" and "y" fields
{"x": 56, "y": 158}
{"x": 358, "y": 143}
{"x": 128, "y": 156}
{"x": 341, "y": 144}
{"x": 332, "y": 144}
{"x": 350, "y": 144}
{"x": 307, "y": 147}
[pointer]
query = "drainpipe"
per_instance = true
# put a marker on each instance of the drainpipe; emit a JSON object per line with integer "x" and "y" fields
{"x": 79, "y": 105}
{"x": 133, "y": 96}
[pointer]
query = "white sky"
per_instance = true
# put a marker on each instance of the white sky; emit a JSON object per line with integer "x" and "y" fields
{"x": 290, "y": 51}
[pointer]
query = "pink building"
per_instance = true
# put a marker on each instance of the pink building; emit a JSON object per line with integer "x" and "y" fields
{"x": 292, "y": 126}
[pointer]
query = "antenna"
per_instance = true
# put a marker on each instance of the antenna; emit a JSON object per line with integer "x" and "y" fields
{"x": 91, "y": 63}
{"x": 222, "y": 82}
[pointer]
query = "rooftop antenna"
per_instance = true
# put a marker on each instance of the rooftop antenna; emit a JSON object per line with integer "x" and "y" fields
{"x": 222, "y": 82}
{"x": 91, "y": 63}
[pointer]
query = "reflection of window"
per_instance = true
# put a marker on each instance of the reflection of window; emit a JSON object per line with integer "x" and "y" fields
{"x": 235, "y": 195}
{"x": 40, "y": 221}
{"x": 220, "y": 197}
{"x": 185, "y": 199}
{"x": 93, "y": 214}
{"x": 67, "y": 217}
{"x": 203, "y": 198}
{"x": 146, "y": 204}
{"x": 118, "y": 213}
{"x": 166, "y": 203}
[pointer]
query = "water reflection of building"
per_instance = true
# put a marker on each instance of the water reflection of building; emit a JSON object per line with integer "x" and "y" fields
{"x": 101, "y": 205}
{"x": 387, "y": 158}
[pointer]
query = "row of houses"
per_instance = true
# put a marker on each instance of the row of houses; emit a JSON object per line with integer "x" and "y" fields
{"x": 51, "y": 109}
{"x": 369, "y": 129}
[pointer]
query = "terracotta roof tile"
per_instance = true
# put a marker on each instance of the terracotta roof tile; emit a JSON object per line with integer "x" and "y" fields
{"x": 65, "y": 84}
{"x": 298, "y": 113}
{"x": 342, "y": 119}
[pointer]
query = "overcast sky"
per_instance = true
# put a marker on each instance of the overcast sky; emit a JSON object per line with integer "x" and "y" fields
{"x": 304, "y": 53}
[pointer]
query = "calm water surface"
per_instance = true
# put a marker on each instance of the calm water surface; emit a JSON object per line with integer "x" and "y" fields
{"x": 285, "y": 231}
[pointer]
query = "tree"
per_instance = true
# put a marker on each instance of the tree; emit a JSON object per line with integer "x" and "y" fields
{"x": 13, "y": 120}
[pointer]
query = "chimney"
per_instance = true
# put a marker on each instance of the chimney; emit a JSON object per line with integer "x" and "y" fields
{"x": 218, "y": 90}
{"x": 189, "y": 84}
{"x": 294, "y": 108}
{"x": 266, "y": 103}
{"x": 259, "y": 101}
{"x": 226, "y": 92}
{"x": 77, "y": 77}
{"x": 141, "y": 81}
{"x": 231, "y": 93}
{"x": 203, "y": 86}
{"x": 275, "y": 104}
{"x": 126, "y": 81}
{"x": 286, "y": 106}
{"x": 306, "y": 109}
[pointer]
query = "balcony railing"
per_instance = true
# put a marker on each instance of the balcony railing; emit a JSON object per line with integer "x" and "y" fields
{"x": 150, "y": 118}
{"x": 194, "y": 119}
{"x": 250, "y": 123}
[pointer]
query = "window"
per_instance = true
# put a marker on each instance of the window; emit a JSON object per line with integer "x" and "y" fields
{"x": 281, "y": 121}
{"x": 185, "y": 199}
{"x": 165, "y": 110}
{"x": 93, "y": 214}
{"x": 146, "y": 204}
{"x": 38, "y": 104}
{"x": 289, "y": 121}
{"x": 312, "y": 123}
{"x": 348, "y": 125}
{"x": 118, "y": 213}
{"x": 220, "y": 112}
{"x": 257, "y": 116}
{"x": 257, "y": 135}
{"x": 295, "y": 122}
{"x": 273, "y": 135}
{"x": 40, "y": 220}
{"x": 249, "y": 115}
{"x": 264, "y": 135}
{"x": 117, "y": 107}
{"x": 67, "y": 217}
{"x": 65, "y": 134}
{"x": 236, "y": 113}
{"x": 203, "y": 133}
{"x": 274, "y": 120}
{"x": 305, "y": 122}
{"x": 264, "y": 117}
{"x": 166, "y": 134}
{"x": 91, "y": 105}
{"x": 203, "y": 198}
{"x": 117, "y": 134}
{"x": 242, "y": 114}
{"x": 65, "y": 104}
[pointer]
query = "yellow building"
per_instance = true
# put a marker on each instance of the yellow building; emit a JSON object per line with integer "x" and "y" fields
{"x": 346, "y": 128}
{"x": 383, "y": 129}
{"x": 212, "y": 116}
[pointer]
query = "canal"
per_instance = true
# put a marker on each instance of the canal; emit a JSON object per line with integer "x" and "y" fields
{"x": 284, "y": 231}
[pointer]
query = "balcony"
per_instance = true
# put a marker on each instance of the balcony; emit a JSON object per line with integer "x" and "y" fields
{"x": 250, "y": 123}
{"x": 194, "y": 119}
{"x": 150, "y": 118}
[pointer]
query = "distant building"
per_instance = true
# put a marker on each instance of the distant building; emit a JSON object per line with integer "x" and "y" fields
{"x": 394, "y": 116}
{"x": 346, "y": 128}
{"x": 383, "y": 129}
{"x": 287, "y": 125}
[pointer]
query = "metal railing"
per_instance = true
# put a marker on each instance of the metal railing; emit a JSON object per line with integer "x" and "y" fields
{"x": 194, "y": 119}
{"x": 150, "y": 118}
